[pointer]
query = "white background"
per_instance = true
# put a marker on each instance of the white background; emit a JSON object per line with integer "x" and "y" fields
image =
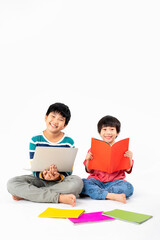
{"x": 100, "y": 58}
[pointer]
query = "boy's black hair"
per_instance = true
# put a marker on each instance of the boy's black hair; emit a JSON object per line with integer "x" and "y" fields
{"x": 109, "y": 121}
{"x": 60, "y": 108}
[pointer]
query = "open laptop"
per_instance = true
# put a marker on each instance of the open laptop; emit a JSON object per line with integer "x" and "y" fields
{"x": 62, "y": 157}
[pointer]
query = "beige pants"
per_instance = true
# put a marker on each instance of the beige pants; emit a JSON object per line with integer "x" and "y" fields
{"x": 38, "y": 190}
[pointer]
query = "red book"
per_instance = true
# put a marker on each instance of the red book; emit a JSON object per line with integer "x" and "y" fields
{"x": 109, "y": 158}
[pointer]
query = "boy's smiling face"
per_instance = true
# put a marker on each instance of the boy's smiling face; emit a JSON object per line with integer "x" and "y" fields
{"x": 109, "y": 134}
{"x": 55, "y": 122}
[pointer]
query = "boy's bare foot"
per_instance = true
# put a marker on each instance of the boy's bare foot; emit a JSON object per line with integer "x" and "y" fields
{"x": 16, "y": 198}
{"x": 68, "y": 199}
{"x": 117, "y": 197}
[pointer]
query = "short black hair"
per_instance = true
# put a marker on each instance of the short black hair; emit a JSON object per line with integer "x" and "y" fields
{"x": 62, "y": 109}
{"x": 109, "y": 121}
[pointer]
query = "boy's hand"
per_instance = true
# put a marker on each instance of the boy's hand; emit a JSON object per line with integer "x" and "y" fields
{"x": 53, "y": 169}
{"x": 89, "y": 157}
{"x": 129, "y": 154}
{"x": 52, "y": 174}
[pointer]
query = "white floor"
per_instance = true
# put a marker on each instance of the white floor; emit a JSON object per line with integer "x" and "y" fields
{"x": 20, "y": 219}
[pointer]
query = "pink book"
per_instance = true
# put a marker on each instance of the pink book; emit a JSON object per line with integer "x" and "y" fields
{"x": 90, "y": 217}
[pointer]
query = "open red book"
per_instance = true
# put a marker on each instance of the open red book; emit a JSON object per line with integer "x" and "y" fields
{"x": 109, "y": 158}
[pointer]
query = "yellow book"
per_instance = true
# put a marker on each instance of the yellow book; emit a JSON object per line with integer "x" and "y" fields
{"x": 61, "y": 213}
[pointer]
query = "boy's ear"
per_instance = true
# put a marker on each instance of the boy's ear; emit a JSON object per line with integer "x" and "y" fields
{"x": 117, "y": 135}
{"x": 65, "y": 126}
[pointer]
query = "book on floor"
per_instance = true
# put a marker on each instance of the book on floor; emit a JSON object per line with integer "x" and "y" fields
{"x": 61, "y": 213}
{"x": 109, "y": 158}
{"x": 91, "y": 217}
{"x": 127, "y": 216}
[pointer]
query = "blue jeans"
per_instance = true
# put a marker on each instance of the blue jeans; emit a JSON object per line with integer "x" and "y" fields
{"x": 99, "y": 190}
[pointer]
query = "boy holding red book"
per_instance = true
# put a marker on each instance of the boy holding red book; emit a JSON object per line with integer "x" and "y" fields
{"x": 103, "y": 185}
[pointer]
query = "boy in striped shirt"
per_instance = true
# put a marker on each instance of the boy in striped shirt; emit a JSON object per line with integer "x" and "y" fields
{"x": 49, "y": 185}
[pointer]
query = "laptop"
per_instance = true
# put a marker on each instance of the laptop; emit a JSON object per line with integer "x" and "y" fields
{"x": 62, "y": 157}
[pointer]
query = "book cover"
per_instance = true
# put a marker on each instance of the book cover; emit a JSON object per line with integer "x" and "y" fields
{"x": 91, "y": 217}
{"x": 109, "y": 158}
{"x": 61, "y": 213}
{"x": 128, "y": 216}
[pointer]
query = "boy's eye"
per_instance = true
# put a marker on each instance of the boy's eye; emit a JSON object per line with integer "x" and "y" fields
{"x": 112, "y": 129}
